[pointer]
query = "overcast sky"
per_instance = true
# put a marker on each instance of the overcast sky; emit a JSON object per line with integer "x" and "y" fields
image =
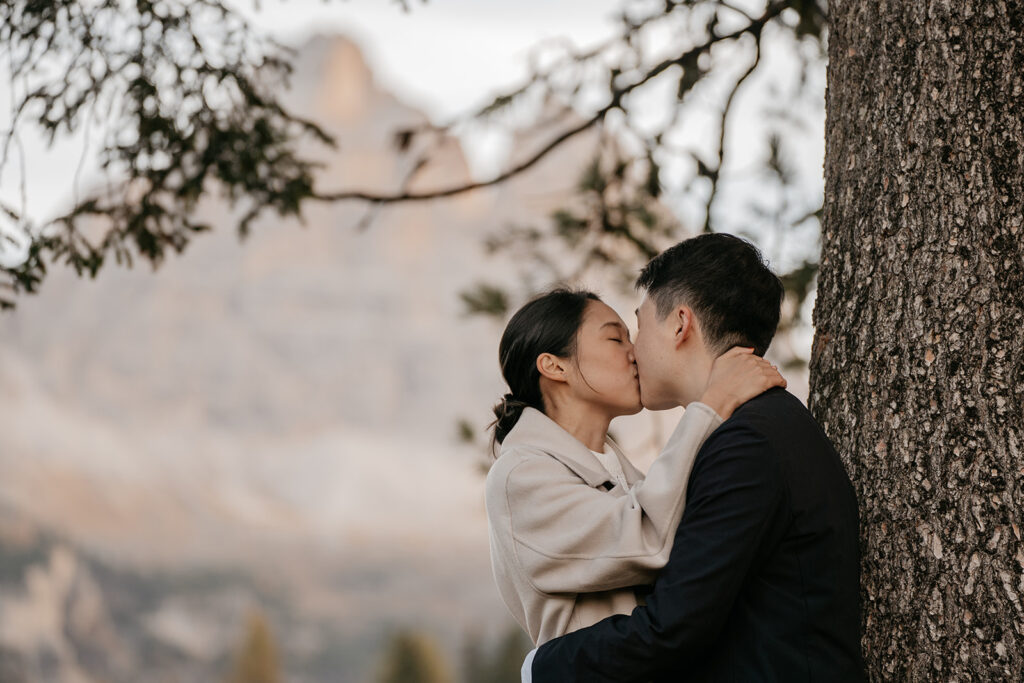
{"x": 446, "y": 55}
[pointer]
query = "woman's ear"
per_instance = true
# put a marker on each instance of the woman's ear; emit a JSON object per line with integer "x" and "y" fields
{"x": 551, "y": 366}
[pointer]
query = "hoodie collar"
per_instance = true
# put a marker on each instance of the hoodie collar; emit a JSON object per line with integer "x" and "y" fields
{"x": 536, "y": 430}
{"x": 633, "y": 475}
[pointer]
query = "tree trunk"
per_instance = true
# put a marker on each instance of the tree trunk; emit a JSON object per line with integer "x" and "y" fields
{"x": 917, "y": 369}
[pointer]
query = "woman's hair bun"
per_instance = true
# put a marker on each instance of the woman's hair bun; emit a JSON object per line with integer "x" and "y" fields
{"x": 506, "y": 414}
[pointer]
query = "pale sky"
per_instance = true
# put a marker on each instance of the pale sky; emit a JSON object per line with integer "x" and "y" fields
{"x": 446, "y": 55}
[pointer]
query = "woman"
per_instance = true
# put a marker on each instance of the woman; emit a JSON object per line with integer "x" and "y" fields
{"x": 573, "y": 525}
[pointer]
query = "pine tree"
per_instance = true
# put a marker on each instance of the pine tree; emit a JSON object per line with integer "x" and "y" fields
{"x": 412, "y": 657}
{"x": 257, "y": 658}
{"x": 500, "y": 663}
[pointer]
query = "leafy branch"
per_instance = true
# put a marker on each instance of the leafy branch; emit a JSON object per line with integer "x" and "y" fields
{"x": 692, "y": 73}
{"x": 183, "y": 95}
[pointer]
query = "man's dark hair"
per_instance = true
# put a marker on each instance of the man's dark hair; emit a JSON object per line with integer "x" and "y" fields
{"x": 726, "y": 282}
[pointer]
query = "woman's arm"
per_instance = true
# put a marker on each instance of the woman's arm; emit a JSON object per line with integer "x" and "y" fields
{"x": 573, "y": 538}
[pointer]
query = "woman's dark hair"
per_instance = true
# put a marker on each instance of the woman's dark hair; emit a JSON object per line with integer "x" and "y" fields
{"x": 548, "y": 323}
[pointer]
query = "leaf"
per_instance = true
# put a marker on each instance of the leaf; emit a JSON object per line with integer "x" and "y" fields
{"x": 705, "y": 170}
{"x": 798, "y": 281}
{"x": 692, "y": 73}
{"x": 568, "y": 226}
{"x": 485, "y": 299}
{"x": 652, "y": 185}
{"x": 812, "y": 20}
{"x": 466, "y": 431}
{"x": 497, "y": 104}
{"x": 593, "y": 179}
{"x": 403, "y": 139}
{"x": 775, "y": 162}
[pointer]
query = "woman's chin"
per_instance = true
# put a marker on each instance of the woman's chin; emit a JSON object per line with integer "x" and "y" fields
{"x": 632, "y": 403}
{"x": 632, "y": 409}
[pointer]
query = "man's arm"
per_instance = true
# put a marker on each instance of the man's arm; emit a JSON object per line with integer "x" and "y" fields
{"x": 735, "y": 495}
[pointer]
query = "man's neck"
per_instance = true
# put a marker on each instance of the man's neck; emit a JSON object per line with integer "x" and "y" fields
{"x": 695, "y": 381}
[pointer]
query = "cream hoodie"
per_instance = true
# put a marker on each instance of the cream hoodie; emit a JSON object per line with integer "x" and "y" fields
{"x": 566, "y": 549}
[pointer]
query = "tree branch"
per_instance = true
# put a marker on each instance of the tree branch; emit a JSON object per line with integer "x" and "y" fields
{"x": 617, "y": 96}
{"x": 721, "y": 131}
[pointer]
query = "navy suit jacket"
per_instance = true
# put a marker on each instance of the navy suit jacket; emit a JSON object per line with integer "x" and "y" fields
{"x": 763, "y": 580}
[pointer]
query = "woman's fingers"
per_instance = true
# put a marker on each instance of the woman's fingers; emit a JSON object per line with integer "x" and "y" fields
{"x": 745, "y": 374}
{"x": 739, "y": 351}
{"x": 737, "y": 376}
{"x": 768, "y": 372}
{"x": 774, "y": 376}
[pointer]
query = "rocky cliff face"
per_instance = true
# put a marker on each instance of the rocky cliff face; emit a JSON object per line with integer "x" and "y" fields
{"x": 280, "y": 413}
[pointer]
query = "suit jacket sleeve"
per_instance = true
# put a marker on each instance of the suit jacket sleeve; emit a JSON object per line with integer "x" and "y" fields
{"x": 735, "y": 496}
{"x": 572, "y": 538}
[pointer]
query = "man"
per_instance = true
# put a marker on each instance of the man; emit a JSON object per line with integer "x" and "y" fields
{"x": 763, "y": 580}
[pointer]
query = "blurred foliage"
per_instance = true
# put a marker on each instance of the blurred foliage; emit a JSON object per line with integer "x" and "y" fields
{"x": 624, "y": 209}
{"x": 466, "y": 431}
{"x": 500, "y": 663}
{"x": 412, "y": 657}
{"x": 798, "y": 282}
{"x": 12, "y": 667}
{"x": 257, "y": 658}
{"x": 188, "y": 96}
{"x": 485, "y": 299}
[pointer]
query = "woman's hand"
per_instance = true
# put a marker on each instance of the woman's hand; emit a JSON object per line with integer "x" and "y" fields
{"x": 736, "y": 377}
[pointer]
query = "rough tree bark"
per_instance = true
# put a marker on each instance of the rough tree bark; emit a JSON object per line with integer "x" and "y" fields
{"x": 917, "y": 369}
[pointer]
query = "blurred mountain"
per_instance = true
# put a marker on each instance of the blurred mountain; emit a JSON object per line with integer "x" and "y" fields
{"x": 270, "y": 423}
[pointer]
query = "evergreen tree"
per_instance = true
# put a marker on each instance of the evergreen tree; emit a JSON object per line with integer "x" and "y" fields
{"x": 412, "y": 657}
{"x": 257, "y": 658}
{"x": 500, "y": 663}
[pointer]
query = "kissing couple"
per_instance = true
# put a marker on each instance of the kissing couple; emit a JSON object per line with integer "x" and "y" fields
{"x": 736, "y": 557}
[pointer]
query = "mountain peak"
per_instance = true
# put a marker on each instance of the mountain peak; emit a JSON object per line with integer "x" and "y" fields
{"x": 344, "y": 90}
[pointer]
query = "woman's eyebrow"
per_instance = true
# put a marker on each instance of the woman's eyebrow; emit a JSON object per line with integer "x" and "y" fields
{"x": 622, "y": 328}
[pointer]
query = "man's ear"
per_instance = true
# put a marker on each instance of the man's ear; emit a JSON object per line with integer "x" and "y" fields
{"x": 551, "y": 366}
{"x": 684, "y": 325}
